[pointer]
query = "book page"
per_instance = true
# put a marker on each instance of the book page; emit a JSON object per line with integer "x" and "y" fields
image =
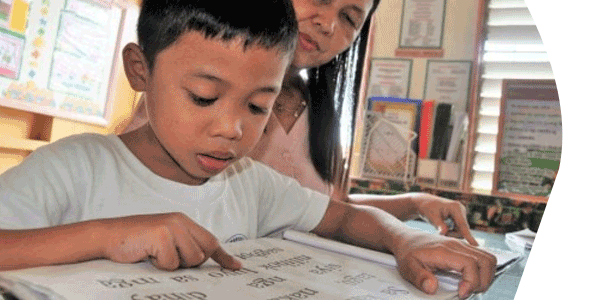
{"x": 272, "y": 269}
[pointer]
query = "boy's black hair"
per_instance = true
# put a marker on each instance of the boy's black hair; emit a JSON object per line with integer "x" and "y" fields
{"x": 270, "y": 24}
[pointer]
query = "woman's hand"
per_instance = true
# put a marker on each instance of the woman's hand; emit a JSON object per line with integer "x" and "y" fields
{"x": 170, "y": 241}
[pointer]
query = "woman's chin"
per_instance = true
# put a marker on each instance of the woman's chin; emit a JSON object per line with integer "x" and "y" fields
{"x": 302, "y": 61}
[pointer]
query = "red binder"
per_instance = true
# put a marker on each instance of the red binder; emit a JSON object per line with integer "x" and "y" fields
{"x": 426, "y": 129}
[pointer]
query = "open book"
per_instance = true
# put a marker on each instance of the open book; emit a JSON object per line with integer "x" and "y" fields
{"x": 272, "y": 269}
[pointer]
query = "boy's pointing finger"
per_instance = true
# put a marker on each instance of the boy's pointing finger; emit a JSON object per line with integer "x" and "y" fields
{"x": 225, "y": 259}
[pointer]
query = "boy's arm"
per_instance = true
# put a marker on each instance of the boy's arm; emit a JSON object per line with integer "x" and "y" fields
{"x": 169, "y": 240}
{"x": 412, "y": 205}
{"x": 418, "y": 254}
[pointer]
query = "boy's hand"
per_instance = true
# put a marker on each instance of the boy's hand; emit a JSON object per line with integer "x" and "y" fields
{"x": 410, "y": 205}
{"x": 169, "y": 240}
{"x": 437, "y": 209}
{"x": 420, "y": 255}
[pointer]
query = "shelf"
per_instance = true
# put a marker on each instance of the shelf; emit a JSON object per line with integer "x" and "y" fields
{"x": 383, "y": 185}
{"x": 21, "y": 144}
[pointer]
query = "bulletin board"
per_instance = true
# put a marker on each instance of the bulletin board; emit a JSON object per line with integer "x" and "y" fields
{"x": 529, "y": 142}
{"x": 57, "y": 57}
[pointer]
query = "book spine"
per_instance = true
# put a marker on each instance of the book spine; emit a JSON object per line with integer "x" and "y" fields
{"x": 459, "y": 125}
{"x": 426, "y": 128}
{"x": 442, "y": 118}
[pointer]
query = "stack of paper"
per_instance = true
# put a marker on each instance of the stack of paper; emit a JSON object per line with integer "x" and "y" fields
{"x": 521, "y": 240}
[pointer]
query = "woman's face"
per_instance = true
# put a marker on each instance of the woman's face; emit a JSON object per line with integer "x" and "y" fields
{"x": 327, "y": 28}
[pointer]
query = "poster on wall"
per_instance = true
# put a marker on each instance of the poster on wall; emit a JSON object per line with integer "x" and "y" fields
{"x": 448, "y": 81}
{"x": 422, "y": 23}
{"x": 11, "y": 51}
{"x": 529, "y": 139}
{"x": 58, "y": 57}
{"x": 389, "y": 78}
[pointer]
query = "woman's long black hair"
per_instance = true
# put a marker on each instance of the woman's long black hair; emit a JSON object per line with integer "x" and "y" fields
{"x": 334, "y": 90}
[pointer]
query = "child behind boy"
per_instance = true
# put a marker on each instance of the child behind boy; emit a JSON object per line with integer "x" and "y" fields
{"x": 174, "y": 189}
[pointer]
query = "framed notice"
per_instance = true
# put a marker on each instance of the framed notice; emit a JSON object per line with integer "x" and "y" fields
{"x": 422, "y": 23}
{"x": 448, "y": 81}
{"x": 60, "y": 56}
{"x": 389, "y": 78}
{"x": 529, "y": 139}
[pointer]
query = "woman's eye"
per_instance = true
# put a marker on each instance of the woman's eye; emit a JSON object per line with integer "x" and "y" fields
{"x": 257, "y": 110}
{"x": 349, "y": 20}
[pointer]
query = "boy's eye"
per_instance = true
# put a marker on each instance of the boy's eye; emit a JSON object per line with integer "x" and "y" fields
{"x": 202, "y": 101}
{"x": 257, "y": 110}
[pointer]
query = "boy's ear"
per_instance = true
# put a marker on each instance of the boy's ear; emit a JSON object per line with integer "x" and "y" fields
{"x": 136, "y": 67}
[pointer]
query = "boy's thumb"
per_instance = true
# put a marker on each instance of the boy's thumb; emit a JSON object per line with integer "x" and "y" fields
{"x": 419, "y": 276}
{"x": 429, "y": 285}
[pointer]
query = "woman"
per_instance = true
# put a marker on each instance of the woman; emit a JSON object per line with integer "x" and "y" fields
{"x": 302, "y": 136}
{"x": 301, "y": 139}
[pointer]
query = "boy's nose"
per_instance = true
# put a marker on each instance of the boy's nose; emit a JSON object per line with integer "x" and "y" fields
{"x": 228, "y": 125}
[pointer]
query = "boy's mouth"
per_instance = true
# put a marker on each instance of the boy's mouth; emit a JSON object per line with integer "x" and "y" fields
{"x": 214, "y": 161}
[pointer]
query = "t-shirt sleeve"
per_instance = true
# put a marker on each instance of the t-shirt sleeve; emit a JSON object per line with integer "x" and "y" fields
{"x": 36, "y": 193}
{"x": 284, "y": 204}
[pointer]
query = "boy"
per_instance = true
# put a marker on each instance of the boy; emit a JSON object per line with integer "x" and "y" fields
{"x": 173, "y": 190}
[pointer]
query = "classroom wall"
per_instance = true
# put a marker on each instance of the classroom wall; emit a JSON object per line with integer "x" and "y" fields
{"x": 458, "y": 44}
{"x": 26, "y": 127}
{"x": 459, "y": 40}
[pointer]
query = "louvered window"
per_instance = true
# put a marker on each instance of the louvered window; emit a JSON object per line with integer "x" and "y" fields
{"x": 512, "y": 48}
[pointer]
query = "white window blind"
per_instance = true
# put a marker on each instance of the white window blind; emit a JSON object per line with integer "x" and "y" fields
{"x": 512, "y": 48}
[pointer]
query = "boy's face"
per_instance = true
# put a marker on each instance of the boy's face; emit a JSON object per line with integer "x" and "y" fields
{"x": 208, "y": 102}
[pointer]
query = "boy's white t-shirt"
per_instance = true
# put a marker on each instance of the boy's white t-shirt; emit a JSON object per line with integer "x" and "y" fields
{"x": 92, "y": 176}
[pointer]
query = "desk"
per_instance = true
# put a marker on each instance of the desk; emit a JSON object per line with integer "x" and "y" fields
{"x": 504, "y": 287}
